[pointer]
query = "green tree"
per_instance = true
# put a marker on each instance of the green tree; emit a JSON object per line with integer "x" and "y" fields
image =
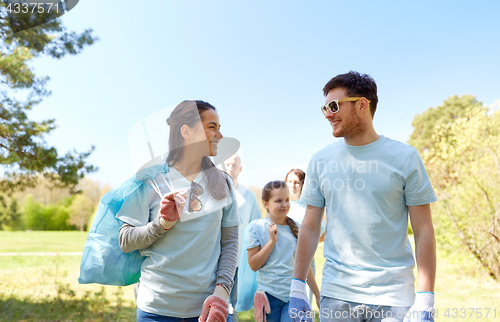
{"x": 464, "y": 166}
{"x": 10, "y": 214}
{"x": 24, "y": 154}
{"x": 33, "y": 214}
{"x": 56, "y": 215}
{"x": 38, "y": 216}
{"x": 80, "y": 211}
{"x": 426, "y": 123}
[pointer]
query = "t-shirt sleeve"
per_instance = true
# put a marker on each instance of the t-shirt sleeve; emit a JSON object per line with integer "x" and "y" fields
{"x": 230, "y": 214}
{"x": 418, "y": 188}
{"x": 253, "y": 235}
{"x": 135, "y": 207}
{"x": 311, "y": 191}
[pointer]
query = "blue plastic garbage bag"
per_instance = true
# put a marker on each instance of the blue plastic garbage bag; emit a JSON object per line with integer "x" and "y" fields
{"x": 247, "y": 279}
{"x": 103, "y": 261}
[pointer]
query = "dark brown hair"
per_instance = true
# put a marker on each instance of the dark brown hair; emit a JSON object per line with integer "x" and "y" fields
{"x": 299, "y": 173}
{"x": 357, "y": 85}
{"x": 189, "y": 113}
{"x": 266, "y": 195}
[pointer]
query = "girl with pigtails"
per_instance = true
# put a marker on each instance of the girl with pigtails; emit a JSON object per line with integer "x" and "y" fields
{"x": 271, "y": 252}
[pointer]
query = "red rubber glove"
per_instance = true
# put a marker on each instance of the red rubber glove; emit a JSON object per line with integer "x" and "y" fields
{"x": 262, "y": 306}
{"x": 215, "y": 307}
{"x": 171, "y": 207}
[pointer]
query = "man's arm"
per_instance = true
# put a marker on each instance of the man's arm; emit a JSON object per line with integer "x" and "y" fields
{"x": 425, "y": 246}
{"x": 310, "y": 231}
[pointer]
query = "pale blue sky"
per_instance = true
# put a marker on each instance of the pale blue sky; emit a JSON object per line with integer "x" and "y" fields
{"x": 263, "y": 64}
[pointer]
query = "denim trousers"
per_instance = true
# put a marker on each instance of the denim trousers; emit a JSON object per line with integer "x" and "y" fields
{"x": 279, "y": 310}
{"x": 151, "y": 317}
{"x": 335, "y": 310}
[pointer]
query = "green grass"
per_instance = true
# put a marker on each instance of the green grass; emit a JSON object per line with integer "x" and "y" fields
{"x": 45, "y": 288}
{"x": 41, "y": 241}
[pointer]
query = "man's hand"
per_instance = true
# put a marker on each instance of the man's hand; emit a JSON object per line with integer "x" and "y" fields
{"x": 299, "y": 302}
{"x": 422, "y": 309}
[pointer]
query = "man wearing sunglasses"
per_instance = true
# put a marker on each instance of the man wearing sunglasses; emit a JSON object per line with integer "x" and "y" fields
{"x": 368, "y": 184}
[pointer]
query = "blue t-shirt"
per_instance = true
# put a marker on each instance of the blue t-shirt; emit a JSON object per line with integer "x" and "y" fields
{"x": 275, "y": 276}
{"x": 297, "y": 210}
{"x": 249, "y": 210}
{"x": 367, "y": 190}
{"x": 179, "y": 272}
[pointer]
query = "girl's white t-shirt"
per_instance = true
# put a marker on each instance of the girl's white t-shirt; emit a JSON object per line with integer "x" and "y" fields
{"x": 275, "y": 277}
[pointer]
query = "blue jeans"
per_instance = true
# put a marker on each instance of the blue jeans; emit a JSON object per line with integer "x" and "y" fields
{"x": 279, "y": 310}
{"x": 151, "y": 317}
{"x": 344, "y": 311}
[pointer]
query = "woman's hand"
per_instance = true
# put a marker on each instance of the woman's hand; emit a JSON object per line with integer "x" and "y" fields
{"x": 273, "y": 232}
{"x": 215, "y": 307}
{"x": 171, "y": 207}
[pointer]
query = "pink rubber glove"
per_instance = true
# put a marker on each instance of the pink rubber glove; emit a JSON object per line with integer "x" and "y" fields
{"x": 171, "y": 207}
{"x": 262, "y": 306}
{"x": 215, "y": 307}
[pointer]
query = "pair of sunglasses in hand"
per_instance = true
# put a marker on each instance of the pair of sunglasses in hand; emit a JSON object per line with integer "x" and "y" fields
{"x": 194, "y": 203}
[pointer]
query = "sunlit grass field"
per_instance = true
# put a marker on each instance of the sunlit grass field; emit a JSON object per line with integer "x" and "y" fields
{"x": 45, "y": 288}
{"x": 42, "y": 241}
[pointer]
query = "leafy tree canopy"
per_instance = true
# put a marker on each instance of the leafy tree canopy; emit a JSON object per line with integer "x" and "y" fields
{"x": 426, "y": 123}
{"x": 464, "y": 166}
{"x": 24, "y": 153}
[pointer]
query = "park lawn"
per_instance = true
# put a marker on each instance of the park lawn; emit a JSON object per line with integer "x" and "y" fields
{"x": 42, "y": 241}
{"x": 45, "y": 288}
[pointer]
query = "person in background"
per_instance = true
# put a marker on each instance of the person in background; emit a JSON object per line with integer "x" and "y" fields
{"x": 295, "y": 181}
{"x": 248, "y": 209}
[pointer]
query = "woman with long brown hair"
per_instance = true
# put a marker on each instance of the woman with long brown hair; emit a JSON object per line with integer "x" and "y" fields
{"x": 189, "y": 235}
{"x": 294, "y": 179}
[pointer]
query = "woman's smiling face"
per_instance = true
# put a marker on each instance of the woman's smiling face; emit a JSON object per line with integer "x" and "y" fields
{"x": 294, "y": 185}
{"x": 211, "y": 127}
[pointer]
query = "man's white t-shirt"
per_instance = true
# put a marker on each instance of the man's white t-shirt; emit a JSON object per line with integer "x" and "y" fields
{"x": 367, "y": 190}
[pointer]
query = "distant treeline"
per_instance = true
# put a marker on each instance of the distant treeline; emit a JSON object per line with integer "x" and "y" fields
{"x": 45, "y": 208}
